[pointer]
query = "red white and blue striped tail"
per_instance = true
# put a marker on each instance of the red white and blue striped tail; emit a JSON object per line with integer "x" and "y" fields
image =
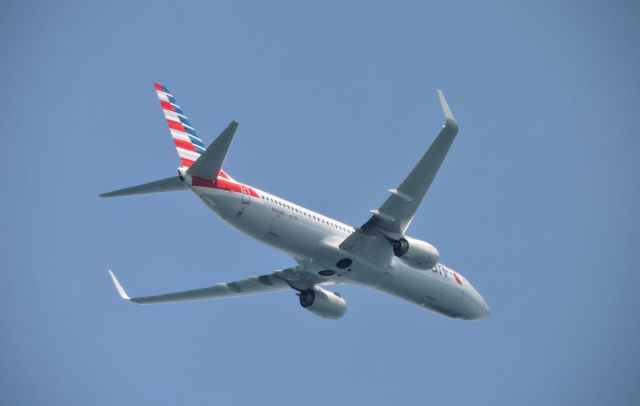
{"x": 188, "y": 144}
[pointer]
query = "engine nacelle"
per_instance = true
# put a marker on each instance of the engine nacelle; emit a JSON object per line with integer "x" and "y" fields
{"x": 323, "y": 303}
{"x": 418, "y": 254}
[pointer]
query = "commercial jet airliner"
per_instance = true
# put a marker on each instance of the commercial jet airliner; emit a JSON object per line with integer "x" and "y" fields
{"x": 379, "y": 254}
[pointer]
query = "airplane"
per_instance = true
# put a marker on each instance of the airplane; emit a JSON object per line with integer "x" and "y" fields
{"x": 379, "y": 254}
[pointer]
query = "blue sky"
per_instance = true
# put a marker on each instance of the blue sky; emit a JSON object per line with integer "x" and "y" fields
{"x": 536, "y": 203}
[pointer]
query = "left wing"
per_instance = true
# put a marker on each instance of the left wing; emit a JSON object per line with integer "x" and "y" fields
{"x": 250, "y": 286}
{"x": 286, "y": 279}
{"x": 171, "y": 184}
{"x": 396, "y": 213}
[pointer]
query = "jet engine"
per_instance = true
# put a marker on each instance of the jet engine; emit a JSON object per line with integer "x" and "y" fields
{"x": 323, "y": 303}
{"x": 418, "y": 254}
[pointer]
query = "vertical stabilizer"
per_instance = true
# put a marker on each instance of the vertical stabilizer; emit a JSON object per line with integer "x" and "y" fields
{"x": 188, "y": 144}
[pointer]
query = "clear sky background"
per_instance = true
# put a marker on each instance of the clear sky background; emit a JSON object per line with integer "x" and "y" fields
{"x": 536, "y": 203}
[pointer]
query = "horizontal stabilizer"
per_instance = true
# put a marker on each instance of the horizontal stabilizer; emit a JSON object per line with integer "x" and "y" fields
{"x": 172, "y": 184}
{"x": 208, "y": 165}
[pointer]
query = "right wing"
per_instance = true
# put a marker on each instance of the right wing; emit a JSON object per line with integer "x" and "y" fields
{"x": 396, "y": 213}
{"x": 278, "y": 281}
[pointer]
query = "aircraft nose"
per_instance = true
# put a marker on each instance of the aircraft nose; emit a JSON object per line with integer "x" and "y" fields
{"x": 476, "y": 307}
{"x": 484, "y": 311}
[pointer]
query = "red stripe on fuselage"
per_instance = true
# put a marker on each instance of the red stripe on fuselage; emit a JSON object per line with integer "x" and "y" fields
{"x": 224, "y": 184}
{"x": 455, "y": 275}
{"x": 196, "y": 181}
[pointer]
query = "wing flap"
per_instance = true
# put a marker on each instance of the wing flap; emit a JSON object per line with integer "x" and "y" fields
{"x": 375, "y": 248}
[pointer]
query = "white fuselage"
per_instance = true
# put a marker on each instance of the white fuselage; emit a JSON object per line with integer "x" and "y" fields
{"x": 313, "y": 240}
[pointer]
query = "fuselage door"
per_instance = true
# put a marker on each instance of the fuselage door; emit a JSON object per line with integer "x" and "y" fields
{"x": 246, "y": 197}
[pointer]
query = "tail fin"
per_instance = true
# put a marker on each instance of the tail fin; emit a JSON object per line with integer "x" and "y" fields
{"x": 198, "y": 161}
{"x": 188, "y": 144}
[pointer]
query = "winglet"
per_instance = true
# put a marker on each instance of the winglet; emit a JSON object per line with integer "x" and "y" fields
{"x": 446, "y": 110}
{"x": 119, "y": 288}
